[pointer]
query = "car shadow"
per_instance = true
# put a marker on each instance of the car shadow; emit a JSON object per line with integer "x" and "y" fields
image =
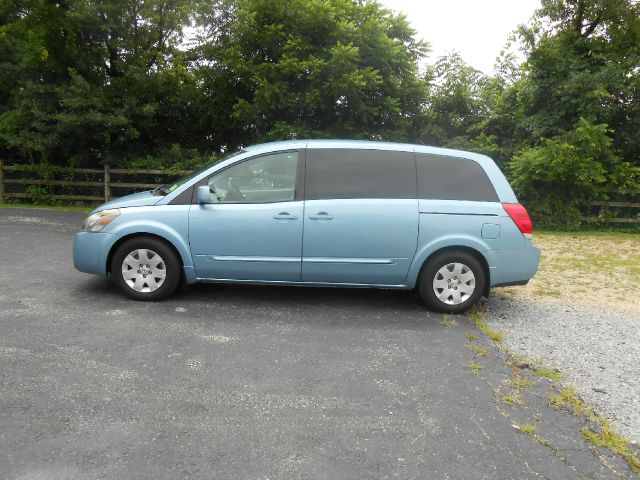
{"x": 303, "y": 295}
{"x": 300, "y": 304}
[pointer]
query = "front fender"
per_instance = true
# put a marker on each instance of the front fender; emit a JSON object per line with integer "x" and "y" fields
{"x": 170, "y": 222}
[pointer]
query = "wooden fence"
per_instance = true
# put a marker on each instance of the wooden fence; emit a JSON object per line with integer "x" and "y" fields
{"x": 629, "y": 212}
{"x": 104, "y": 182}
{"x": 100, "y": 187}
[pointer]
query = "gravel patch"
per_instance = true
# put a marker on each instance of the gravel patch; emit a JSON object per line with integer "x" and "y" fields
{"x": 597, "y": 350}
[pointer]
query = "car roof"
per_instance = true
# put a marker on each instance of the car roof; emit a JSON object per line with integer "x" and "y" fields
{"x": 364, "y": 144}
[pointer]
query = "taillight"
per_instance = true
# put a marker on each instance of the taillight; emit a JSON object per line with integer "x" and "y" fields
{"x": 520, "y": 217}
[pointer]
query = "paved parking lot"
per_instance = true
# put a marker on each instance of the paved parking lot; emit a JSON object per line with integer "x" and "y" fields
{"x": 250, "y": 382}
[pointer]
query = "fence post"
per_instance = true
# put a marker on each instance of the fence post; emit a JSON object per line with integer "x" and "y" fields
{"x": 1, "y": 181}
{"x": 107, "y": 181}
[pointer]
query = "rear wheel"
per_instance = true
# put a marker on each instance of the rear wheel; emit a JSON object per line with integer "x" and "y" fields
{"x": 452, "y": 282}
{"x": 145, "y": 268}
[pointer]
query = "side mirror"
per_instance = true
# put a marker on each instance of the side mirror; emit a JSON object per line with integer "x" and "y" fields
{"x": 203, "y": 194}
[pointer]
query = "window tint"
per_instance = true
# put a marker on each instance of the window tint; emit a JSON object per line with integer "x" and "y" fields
{"x": 349, "y": 173}
{"x": 265, "y": 179}
{"x": 451, "y": 178}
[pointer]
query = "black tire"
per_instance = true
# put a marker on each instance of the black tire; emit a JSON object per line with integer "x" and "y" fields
{"x": 434, "y": 265}
{"x": 170, "y": 264}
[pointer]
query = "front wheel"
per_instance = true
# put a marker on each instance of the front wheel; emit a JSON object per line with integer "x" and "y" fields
{"x": 452, "y": 282}
{"x": 145, "y": 268}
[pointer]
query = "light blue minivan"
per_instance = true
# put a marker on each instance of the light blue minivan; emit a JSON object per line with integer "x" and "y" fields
{"x": 325, "y": 213}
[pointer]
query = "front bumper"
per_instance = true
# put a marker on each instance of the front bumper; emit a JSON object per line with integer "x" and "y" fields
{"x": 90, "y": 251}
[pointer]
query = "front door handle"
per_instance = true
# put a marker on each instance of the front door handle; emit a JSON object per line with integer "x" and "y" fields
{"x": 321, "y": 216}
{"x": 285, "y": 216}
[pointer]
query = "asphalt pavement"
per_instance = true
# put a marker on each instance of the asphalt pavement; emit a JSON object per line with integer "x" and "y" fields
{"x": 253, "y": 382}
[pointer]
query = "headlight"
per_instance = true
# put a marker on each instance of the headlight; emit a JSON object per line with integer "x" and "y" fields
{"x": 99, "y": 220}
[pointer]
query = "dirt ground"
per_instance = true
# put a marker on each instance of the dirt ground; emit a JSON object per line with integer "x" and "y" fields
{"x": 600, "y": 269}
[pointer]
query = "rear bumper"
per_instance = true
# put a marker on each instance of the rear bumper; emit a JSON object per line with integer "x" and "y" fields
{"x": 90, "y": 251}
{"x": 512, "y": 267}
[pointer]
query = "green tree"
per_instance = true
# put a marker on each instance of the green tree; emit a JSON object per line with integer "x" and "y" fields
{"x": 460, "y": 100}
{"x": 583, "y": 62}
{"x": 314, "y": 68}
{"x": 94, "y": 81}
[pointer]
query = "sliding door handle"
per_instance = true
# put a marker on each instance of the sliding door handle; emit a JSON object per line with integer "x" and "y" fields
{"x": 285, "y": 216}
{"x": 321, "y": 216}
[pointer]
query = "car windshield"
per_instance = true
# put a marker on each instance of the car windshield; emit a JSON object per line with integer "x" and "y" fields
{"x": 170, "y": 187}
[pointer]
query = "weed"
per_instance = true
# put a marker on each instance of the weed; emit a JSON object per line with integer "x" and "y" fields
{"x": 477, "y": 315}
{"x": 471, "y": 336}
{"x": 548, "y": 373}
{"x": 605, "y": 437}
{"x": 475, "y": 367}
{"x": 495, "y": 335}
{"x": 543, "y": 441}
{"x": 449, "y": 321}
{"x": 520, "y": 382}
{"x": 531, "y": 430}
{"x": 568, "y": 396}
{"x": 528, "y": 428}
{"x": 608, "y": 439}
{"x": 522, "y": 361}
{"x": 478, "y": 349}
{"x": 523, "y": 358}
{"x": 512, "y": 398}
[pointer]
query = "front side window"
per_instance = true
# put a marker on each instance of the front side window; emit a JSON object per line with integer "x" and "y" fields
{"x": 265, "y": 179}
{"x": 170, "y": 187}
{"x": 351, "y": 173}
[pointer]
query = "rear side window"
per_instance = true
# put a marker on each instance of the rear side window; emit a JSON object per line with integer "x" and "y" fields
{"x": 350, "y": 173}
{"x": 451, "y": 178}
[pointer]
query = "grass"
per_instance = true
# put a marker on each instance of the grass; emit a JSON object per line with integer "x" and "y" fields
{"x": 512, "y": 398}
{"x": 535, "y": 366}
{"x": 554, "y": 375}
{"x": 478, "y": 349}
{"x": 471, "y": 336}
{"x": 568, "y": 396}
{"x": 614, "y": 442}
{"x": 531, "y": 430}
{"x": 449, "y": 321}
{"x": 520, "y": 358}
{"x": 477, "y": 315}
{"x": 602, "y": 434}
{"x": 520, "y": 383}
{"x": 475, "y": 367}
{"x": 61, "y": 208}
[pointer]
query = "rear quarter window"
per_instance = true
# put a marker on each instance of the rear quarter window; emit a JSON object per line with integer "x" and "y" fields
{"x": 450, "y": 178}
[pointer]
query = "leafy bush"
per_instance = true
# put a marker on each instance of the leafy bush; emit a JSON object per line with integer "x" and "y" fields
{"x": 567, "y": 172}
{"x": 39, "y": 195}
{"x": 172, "y": 160}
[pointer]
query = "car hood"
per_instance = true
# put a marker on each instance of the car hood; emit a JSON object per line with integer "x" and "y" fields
{"x": 141, "y": 199}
